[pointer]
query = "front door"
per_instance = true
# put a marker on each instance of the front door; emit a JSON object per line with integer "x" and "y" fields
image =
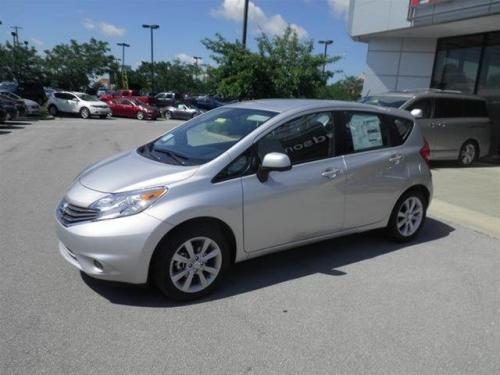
{"x": 304, "y": 202}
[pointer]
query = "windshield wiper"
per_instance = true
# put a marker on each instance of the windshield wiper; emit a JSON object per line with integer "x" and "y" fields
{"x": 178, "y": 158}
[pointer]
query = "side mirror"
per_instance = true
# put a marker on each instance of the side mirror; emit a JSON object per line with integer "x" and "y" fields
{"x": 274, "y": 161}
{"x": 417, "y": 113}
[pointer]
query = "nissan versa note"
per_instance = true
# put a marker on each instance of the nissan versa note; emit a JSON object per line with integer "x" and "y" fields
{"x": 241, "y": 181}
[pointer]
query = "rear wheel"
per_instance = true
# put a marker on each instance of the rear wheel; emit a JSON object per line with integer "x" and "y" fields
{"x": 168, "y": 115}
{"x": 407, "y": 217}
{"x": 84, "y": 113}
{"x": 191, "y": 263}
{"x": 140, "y": 115}
{"x": 53, "y": 110}
{"x": 468, "y": 153}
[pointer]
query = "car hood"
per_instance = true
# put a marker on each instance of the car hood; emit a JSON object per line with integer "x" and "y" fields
{"x": 30, "y": 102}
{"x": 131, "y": 171}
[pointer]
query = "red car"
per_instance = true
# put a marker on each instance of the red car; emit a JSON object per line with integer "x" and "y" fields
{"x": 126, "y": 94}
{"x": 133, "y": 108}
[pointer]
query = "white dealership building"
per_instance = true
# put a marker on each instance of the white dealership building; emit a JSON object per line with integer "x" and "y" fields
{"x": 446, "y": 44}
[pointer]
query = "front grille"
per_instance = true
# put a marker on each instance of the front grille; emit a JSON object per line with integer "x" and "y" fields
{"x": 71, "y": 214}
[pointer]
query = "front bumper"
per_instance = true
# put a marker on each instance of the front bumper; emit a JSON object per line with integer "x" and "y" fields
{"x": 117, "y": 249}
{"x": 100, "y": 111}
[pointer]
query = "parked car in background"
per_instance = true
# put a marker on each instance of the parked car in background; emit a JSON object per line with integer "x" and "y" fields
{"x": 102, "y": 91}
{"x": 126, "y": 94}
{"x": 78, "y": 103}
{"x": 28, "y": 90}
{"x": 133, "y": 108}
{"x": 180, "y": 111}
{"x": 8, "y": 110}
{"x": 242, "y": 181}
{"x": 166, "y": 99}
{"x": 457, "y": 126}
{"x": 32, "y": 107}
{"x": 207, "y": 102}
{"x": 19, "y": 103}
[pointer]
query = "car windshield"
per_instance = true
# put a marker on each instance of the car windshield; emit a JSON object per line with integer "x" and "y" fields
{"x": 138, "y": 102}
{"x": 385, "y": 101}
{"x": 205, "y": 137}
{"x": 88, "y": 98}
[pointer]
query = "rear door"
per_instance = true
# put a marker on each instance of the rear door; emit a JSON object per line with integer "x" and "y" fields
{"x": 304, "y": 202}
{"x": 447, "y": 127}
{"x": 375, "y": 170}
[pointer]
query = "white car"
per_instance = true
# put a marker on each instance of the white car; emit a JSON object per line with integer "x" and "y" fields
{"x": 77, "y": 102}
{"x": 32, "y": 107}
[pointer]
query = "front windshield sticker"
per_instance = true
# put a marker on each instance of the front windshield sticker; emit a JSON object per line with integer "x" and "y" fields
{"x": 365, "y": 132}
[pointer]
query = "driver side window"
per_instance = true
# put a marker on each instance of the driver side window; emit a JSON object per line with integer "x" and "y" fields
{"x": 303, "y": 139}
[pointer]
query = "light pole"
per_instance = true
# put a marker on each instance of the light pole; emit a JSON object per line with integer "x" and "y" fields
{"x": 16, "y": 33}
{"x": 196, "y": 59}
{"x": 123, "y": 45}
{"x": 326, "y": 43}
{"x": 245, "y": 24}
{"x": 152, "y": 27}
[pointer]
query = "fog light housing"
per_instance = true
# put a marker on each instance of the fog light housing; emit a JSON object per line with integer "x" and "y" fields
{"x": 98, "y": 265}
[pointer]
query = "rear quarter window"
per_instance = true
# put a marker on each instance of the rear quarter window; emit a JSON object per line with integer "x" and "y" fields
{"x": 448, "y": 108}
{"x": 399, "y": 129}
{"x": 475, "y": 108}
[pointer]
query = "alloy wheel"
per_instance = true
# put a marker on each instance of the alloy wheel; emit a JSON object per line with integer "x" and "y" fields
{"x": 195, "y": 264}
{"x": 410, "y": 215}
{"x": 468, "y": 154}
{"x": 85, "y": 113}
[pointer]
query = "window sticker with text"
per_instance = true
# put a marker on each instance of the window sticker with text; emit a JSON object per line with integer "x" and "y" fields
{"x": 365, "y": 132}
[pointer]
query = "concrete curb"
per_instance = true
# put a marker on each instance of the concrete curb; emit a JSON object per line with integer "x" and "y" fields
{"x": 477, "y": 221}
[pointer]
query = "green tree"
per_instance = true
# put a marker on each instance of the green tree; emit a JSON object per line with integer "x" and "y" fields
{"x": 72, "y": 66}
{"x": 283, "y": 66}
{"x": 19, "y": 62}
{"x": 348, "y": 88}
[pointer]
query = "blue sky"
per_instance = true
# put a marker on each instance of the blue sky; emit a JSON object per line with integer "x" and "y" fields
{"x": 183, "y": 23}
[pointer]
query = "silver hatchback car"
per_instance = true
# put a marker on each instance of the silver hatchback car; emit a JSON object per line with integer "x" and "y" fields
{"x": 241, "y": 181}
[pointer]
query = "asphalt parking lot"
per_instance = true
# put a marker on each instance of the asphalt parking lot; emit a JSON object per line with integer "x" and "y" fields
{"x": 354, "y": 305}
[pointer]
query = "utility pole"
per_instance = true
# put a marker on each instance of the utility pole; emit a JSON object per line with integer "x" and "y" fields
{"x": 196, "y": 59}
{"x": 326, "y": 43}
{"x": 16, "y": 32}
{"x": 123, "y": 45}
{"x": 245, "y": 24}
{"x": 152, "y": 27}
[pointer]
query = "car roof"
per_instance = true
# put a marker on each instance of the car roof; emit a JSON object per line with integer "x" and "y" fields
{"x": 429, "y": 93}
{"x": 299, "y": 105}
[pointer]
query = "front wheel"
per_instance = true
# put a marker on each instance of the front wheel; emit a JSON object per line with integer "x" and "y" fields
{"x": 140, "y": 115}
{"x": 191, "y": 263}
{"x": 468, "y": 153}
{"x": 407, "y": 217}
{"x": 168, "y": 115}
{"x": 84, "y": 113}
{"x": 53, "y": 110}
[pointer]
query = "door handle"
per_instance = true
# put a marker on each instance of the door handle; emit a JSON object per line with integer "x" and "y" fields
{"x": 396, "y": 158}
{"x": 331, "y": 173}
{"x": 433, "y": 125}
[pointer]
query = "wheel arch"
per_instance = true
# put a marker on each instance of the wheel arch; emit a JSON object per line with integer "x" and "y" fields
{"x": 224, "y": 227}
{"x": 419, "y": 188}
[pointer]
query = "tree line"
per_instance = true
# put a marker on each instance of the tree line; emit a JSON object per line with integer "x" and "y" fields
{"x": 281, "y": 66}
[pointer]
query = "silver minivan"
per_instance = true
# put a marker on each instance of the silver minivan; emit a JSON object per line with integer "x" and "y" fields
{"x": 241, "y": 181}
{"x": 457, "y": 126}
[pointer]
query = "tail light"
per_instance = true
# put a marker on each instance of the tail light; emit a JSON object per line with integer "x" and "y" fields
{"x": 425, "y": 151}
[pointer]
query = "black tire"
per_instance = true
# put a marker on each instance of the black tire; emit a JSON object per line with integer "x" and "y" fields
{"x": 393, "y": 229}
{"x": 469, "y": 153}
{"x": 85, "y": 113}
{"x": 168, "y": 115}
{"x": 103, "y": 116}
{"x": 162, "y": 260}
{"x": 53, "y": 110}
{"x": 140, "y": 115}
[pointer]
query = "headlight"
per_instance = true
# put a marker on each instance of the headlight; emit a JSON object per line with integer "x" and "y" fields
{"x": 128, "y": 203}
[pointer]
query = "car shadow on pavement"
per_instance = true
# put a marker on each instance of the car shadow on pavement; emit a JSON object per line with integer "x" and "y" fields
{"x": 324, "y": 257}
{"x": 4, "y": 132}
{"x": 11, "y": 126}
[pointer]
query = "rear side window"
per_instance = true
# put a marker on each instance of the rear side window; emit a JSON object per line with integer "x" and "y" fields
{"x": 474, "y": 108}
{"x": 424, "y": 104}
{"x": 447, "y": 107}
{"x": 362, "y": 131}
{"x": 399, "y": 129}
